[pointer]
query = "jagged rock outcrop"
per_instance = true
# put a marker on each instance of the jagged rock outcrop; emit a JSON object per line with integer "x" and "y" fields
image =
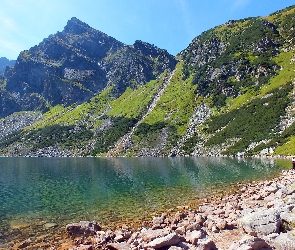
{"x": 136, "y": 65}
{"x": 17, "y": 122}
{"x": 220, "y": 58}
{"x": 77, "y": 63}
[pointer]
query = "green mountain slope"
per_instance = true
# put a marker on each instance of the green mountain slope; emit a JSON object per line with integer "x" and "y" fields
{"x": 231, "y": 93}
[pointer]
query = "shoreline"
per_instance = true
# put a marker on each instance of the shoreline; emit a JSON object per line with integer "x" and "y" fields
{"x": 214, "y": 222}
{"x": 234, "y": 221}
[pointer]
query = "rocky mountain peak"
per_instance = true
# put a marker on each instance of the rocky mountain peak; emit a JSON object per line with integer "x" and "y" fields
{"x": 76, "y": 26}
{"x": 147, "y": 48}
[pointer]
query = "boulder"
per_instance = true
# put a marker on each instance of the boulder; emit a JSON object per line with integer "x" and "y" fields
{"x": 194, "y": 236}
{"x": 193, "y": 226}
{"x": 288, "y": 217}
{"x": 119, "y": 246}
{"x": 206, "y": 244}
{"x": 158, "y": 222}
{"x": 148, "y": 234}
{"x": 263, "y": 222}
{"x": 83, "y": 227}
{"x": 250, "y": 243}
{"x": 285, "y": 241}
{"x": 168, "y": 240}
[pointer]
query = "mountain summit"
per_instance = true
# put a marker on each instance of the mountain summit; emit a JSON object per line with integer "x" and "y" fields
{"x": 76, "y": 27}
{"x": 74, "y": 65}
{"x": 231, "y": 92}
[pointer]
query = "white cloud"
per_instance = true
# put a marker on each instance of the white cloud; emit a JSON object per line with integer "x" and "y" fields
{"x": 186, "y": 17}
{"x": 10, "y": 49}
{"x": 239, "y": 4}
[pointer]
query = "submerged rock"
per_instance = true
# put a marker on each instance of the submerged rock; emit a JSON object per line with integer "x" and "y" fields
{"x": 50, "y": 225}
{"x": 83, "y": 227}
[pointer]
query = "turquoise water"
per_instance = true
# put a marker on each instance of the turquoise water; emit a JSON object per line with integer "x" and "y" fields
{"x": 113, "y": 190}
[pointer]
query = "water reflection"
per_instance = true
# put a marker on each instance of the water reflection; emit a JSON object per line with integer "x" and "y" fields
{"x": 110, "y": 189}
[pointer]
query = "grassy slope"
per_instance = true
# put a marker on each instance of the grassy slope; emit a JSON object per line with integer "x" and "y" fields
{"x": 287, "y": 148}
{"x": 178, "y": 100}
{"x": 85, "y": 112}
{"x": 284, "y": 76}
{"x": 176, "y": 104}
{"x": 132, "y": 102}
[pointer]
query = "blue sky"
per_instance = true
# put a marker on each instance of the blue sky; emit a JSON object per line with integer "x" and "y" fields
{"x": 168, "y": 24}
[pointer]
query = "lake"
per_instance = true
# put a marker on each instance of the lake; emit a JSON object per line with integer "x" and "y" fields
{"x": 112, "y": 191}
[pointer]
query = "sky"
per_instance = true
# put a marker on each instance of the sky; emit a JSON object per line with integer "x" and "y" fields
{"x": 168, "y": 24}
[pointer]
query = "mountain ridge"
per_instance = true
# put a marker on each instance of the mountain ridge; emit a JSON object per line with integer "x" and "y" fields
{"x": 230, "y": 93}
{"x": 74, "y": 65}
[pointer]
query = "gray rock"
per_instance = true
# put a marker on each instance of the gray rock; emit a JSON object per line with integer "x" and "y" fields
{"x": 206, "y": 244}
{"x": 83, "y": 227}
{"x": 158, "y": 222}
{"x": 285, "y": 241}
{"x": 148, "y": 234}
{"x": 50, "y": 225}
{"x": 193, "y": 226}
{"x": 194, "y": 236}
{"x": 84, "y": 247}
{"x": 288, "y": 217}
{"x": 175, "y": 248}
{"x": 249, "y": 242}
{"x": 262, "y": 222}
{"x": 168, "y": 240}
{"x": 291, "y": 189}
{"x": 119, "y": 246}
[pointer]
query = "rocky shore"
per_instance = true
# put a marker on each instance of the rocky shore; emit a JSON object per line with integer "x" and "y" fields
{"x": 260, "y": 216}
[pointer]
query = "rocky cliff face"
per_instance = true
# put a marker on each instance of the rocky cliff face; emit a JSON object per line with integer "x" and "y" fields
{"x": 136, "y": 65}
{"x": 229, "y": 58}
{"x": 76, "y": 64}
{"x": 231, "y": 93}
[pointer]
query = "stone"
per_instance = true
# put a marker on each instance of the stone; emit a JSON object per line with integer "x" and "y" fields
{"x": 148, "y": 234}
{"x": 285, "y": 241}
{"x": 23, "y": 244}
{"x": 121, "y": 235}
{"x": 180, "y": 230}
{"x": 83, "y": 227}
{"x": 119, "y": 246}
{"x": 186, "y": 245}
{"x": 199, "y": 219}
{"x": 193, "y": 226}
{"x": 249, "y": 242}
{"x": 158, "y": 221}
{"x": 194, "y": 236}
{"x": 206, "y": 244}
{"x": 50, "y": 225}
{"x": 168, "y": 240}
{"x": 221, "y": 224}
{"x": 288, "y": 217}
{"x": 291, "y": 189}
{"x": 262, "y": 222}
{"x": 175, "y": 248}
{"x": 84, "y": 247}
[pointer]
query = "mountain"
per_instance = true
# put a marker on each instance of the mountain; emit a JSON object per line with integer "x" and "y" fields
{"x": 230, "y": 93}
{"x": 4, "y": 62}
{"x": 74, "y": 65}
